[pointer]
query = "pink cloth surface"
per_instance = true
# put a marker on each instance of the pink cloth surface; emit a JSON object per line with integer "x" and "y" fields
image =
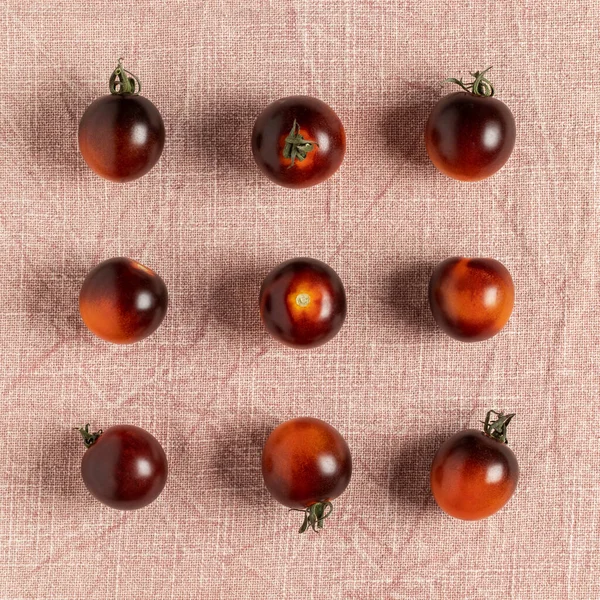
{"x": 210, "y": 383}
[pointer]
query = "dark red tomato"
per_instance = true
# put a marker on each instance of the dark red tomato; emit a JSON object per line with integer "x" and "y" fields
{"x": 474, "y": 473}
{"x": 122, "y": 301}
{"x": 471, "y": 299}
{"x": 303, "y": 303}
{"x": 306, "y": 464}
{"x": 124, "y": 467}
{"x": 121, "y": 135}
{"x": 298, "y": 141}
{"x": 469, "y": 136}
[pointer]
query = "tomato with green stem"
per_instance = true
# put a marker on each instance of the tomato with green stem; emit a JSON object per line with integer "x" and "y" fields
{"x": 298, "y": 141}
{"x": 474, "y": 473}
{"x": 470, "y": 135}
{"x": 306, "y": 463}
{"x": 122, "y": 134}
{"x": 124, "y": 467}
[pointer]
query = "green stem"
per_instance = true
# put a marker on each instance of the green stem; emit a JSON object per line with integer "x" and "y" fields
{"x": 121, "y": 83}
{"x": 497, "y": 429}
{"x": 480, "y": 86}
{"x": 296, "y": 147}
{"x": 89, "y": 438}
{"x": 314, "y": 515}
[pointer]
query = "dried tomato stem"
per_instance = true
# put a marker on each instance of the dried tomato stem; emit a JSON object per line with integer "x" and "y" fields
{"x": 481, "y": 86}
{"x": 314, "y": 515}
{"x": 89, "y": 438}
{"x": 121, "y": 83}
{"x": 296, "y": 147}
{"x": 497, "y": 429}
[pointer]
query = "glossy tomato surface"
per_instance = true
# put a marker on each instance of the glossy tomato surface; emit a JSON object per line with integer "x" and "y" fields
{"x": 122, "y": 301}
{"x": 121, "y": 136}
{"x": 125, "y": 468}
{"x": 305, "y": 461}
{"x": 471, "y": 299}
{"x": 473, "y": 475}
{"x": 303, "y": 303}
{"x": 319, "y": 135}
{"x": 469, "y": 137}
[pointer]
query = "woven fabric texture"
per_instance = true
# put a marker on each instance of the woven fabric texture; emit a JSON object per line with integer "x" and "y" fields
{"x": 210, "y": 383}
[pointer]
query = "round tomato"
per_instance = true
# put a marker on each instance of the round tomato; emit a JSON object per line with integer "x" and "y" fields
{"x": 306, "y": 464}
{"x": 122, "y": 301}
{"x": 123, "y": 467}
{"x": 474, "y": 473}
{"x": 298, "y": 141}
{"x": 122, "y": 134}
{"x": 303, "y": 303}
{"x": 469, "y": 136}
{"x": 471, "y": 299}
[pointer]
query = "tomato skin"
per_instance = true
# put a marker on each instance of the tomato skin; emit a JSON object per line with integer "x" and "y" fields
{"x": 122, "y": 301}
{"x": 292, "y": 282}
{"x": 317, "y": 122}
{"x": 473, "y": 475}
{"x": 471, "y": 299}
{"x": 121, "y": 136}
{"x": 125, "y": 468}
{"x": 469, "y": 137}
{"x": 304, "y": 461}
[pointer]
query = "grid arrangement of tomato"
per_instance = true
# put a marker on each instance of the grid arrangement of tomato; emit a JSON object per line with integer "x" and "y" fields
{"x": 299, "y": 142}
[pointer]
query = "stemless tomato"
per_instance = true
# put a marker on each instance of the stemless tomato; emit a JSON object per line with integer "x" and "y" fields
{"x": 303, "y": 303}
{"x": 123, "y": 467}
{"x": 122, "y": 301}
{"x": 474, "y": 473}
{"x": 306, "y": 464}
{"x": 469, "y": 136}
{"x": 471, "y": 299}
{"x": 121, "y": 135}
{"x": 298, "y": 141}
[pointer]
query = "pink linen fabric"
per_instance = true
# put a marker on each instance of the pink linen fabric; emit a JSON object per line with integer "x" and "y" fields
{"x": 210, "y": 384}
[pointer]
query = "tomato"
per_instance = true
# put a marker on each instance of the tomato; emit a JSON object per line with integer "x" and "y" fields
{"x": 121, "y": 135}
{"x": 303, "y": 303}
{"x": 474, "y": 473}
{"x": 122, "y": 301}
{"x": 469, "y": 136}
{"x": 306, "y": 464}
{"x": 123, "y": 467}
{"x": 298, "y": 141}
{"x": 471, "y": 299}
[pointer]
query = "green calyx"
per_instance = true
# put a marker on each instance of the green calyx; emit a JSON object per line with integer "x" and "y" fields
{"x": 296, "y": 147}
{"x": 497, "y": 428}
{"x": 314, "y": 515}
{"x": 123, "y": 82}
{"x": 481, "y": 86}
{"x": 89, "y": 438}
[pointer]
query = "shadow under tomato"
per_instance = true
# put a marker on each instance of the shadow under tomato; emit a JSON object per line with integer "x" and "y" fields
{"x": 220, "y": 136}
{"x": 406, "y": 478}
{"x": 406, "y": 291}
{"x": 404, "y": 125}
{"x": 50, "y": 130}
{"x": 59, "y": 465}
{"x": 234, "y": 300}
{"x": 52, "y": 295}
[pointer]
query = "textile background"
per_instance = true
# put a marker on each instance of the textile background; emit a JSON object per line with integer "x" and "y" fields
{"x": 210, "y": 383}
